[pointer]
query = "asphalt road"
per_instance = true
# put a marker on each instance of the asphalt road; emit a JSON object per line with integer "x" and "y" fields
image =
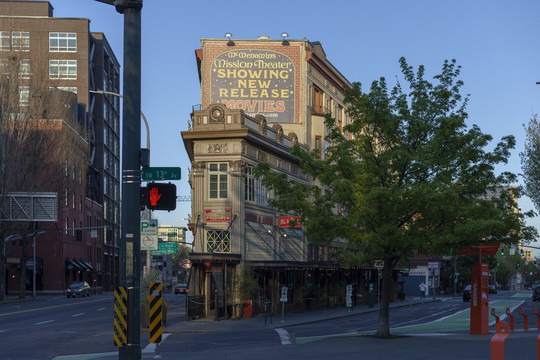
{"x": 52, "y": 327}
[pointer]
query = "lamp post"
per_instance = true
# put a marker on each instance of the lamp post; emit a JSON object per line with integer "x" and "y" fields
{"x": 148, "y": 214}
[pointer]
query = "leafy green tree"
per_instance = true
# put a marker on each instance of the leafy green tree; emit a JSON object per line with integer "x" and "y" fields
{"x": 405, "y": 175}
{"x": 530, "y": 161}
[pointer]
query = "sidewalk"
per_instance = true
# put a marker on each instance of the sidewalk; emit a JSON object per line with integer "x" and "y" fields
{"x": 289, "y": 318}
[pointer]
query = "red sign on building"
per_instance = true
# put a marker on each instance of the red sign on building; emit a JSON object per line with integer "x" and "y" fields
{"x": 284, "y": 221}
{"x": 217, "y": 215}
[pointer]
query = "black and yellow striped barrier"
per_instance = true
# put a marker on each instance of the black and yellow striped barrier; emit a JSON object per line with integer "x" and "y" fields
{"x": 120, "y": 316}
{"x": 155, "y": 312}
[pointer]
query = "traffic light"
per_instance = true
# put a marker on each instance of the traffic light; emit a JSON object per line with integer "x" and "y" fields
{"x": 161, "y": 196}
{"x": 502, "y": 252}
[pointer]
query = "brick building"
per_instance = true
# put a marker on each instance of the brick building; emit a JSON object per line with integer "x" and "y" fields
{"x": 77, "y": 61}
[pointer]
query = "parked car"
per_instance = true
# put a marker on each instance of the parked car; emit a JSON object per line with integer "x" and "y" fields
{"x": 536, "y": 293}
{"x": 78, "y": 288}
{"x": 467, "y": 293}
{"x": 180, "y": 289}
{"x": 492, "y": 289}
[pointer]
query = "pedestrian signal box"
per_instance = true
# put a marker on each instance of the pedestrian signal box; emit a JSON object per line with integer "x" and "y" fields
{"x": 161, "y": 196}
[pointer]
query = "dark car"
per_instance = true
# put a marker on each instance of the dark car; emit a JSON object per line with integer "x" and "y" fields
{"x": 180, "y": 289}
{"x": 467, "y": 293}
{"x": 492, "y": 289}
{"x": 78, "y": 289}
{"x": 536, "y": 293}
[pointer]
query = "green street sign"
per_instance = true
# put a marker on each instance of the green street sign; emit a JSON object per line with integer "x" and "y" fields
{"x": 161, "y": 173}
{"x": 164, "y": 245}
{"x": 165, "y": 252}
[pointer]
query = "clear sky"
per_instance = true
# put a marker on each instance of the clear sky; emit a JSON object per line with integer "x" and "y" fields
{"x": 496, "y": 42}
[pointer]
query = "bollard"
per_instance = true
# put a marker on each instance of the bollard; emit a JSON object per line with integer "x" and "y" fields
{"x": 538, "y": 347}
{"x": 496, "y": 317}
{"x": 535, "y": 312}
{"x": 511, "y": 317}
{"x": 525, "y": 319}
{"x": 497, "y": 341}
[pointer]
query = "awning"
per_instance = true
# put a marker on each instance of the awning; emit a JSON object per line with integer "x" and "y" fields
{"x": 72, "y": 266}
{"x": 78, "y": 263}
{"x": 88, "y": 265}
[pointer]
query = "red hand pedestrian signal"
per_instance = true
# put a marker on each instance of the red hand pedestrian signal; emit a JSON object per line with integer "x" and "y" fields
{"x": 154, "y": 196}
{"x": 161, "y": 196}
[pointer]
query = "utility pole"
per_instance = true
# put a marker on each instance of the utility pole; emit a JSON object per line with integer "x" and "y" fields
{"x": 131, "y": 173}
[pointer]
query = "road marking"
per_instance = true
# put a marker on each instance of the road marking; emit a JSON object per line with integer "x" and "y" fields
{"x": 100, "y": 309}
{"x": 85, "y": 356}
{"x": 43, "y": 322}
{"x": 1, "y": 331}
{"x": 79, "y": 314}
{"x": 52, "y": 307}
{"x": 284, "y": 336}
{"x": 151, "y": 347}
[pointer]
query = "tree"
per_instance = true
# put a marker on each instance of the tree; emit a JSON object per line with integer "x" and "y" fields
{"x": 530, "y": 161}
{"x": 41, "y": 140}
{"x": 405, "y": 175}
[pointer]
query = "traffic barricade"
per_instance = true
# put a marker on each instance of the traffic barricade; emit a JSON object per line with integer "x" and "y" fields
{"x": 525, "y": 319}
{"x": 511, "y": 319}
{"x": 497, "y": 341}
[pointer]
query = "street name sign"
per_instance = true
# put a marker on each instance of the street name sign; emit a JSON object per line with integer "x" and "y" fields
{"x": 161, "y": 173}
{"x": 165, "y": 252}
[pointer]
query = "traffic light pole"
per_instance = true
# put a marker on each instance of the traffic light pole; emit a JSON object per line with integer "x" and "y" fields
{"x": 130, "y": 244}
{"x": 131, "y": 177}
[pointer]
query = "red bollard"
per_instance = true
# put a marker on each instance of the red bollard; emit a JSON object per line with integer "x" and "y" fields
{"x": 511, "y": 317}
{"x": 497, "y": 341}
{"x": 538, "y": 347}
{"x": 525, "y": 319}
{"x": 535, "y": 312}
{"x": 496, "y": 317}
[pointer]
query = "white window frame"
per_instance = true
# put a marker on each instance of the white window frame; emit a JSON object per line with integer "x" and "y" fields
{"x": 24, "y": 69}
{"x": 20, "y": 41}
{"x": 249, "y": 184}
{"x": 63, "y": 69}
{"x": 24, "y": 95}
{"x": 64, "y": 42}
{"x": 5, "y": 40}
{"x": 220, "y": 178}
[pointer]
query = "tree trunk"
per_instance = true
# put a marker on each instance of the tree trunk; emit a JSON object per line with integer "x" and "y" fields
{"x": 22, "y": 261}
{"x": 383, "y": 326}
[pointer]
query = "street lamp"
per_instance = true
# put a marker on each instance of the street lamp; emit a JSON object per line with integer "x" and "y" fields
{"x": 102, "y": 92}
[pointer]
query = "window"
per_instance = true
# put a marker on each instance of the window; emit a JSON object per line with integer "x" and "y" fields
{"x": 71, "y": 89}
{"x": 261, "y": 194}
{"x": 317, "y": 101}
{"x": 5, "y": 40}
{"x": 318, "y": 142}
{"x": 249, "y": 184}
{"x": 340, "y": 117}
{"x": 62, "y": 42}
{"x": 218, "y": 181}
{"x": 218, "y": 241}
{"x": 20, "y": 41}
{"x": 24, "y": 69}
{"x": 24, "y": 95}
{"x": 63, "y": 69}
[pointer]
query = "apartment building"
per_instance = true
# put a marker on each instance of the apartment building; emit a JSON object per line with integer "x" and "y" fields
{"x": 79, "y": 61}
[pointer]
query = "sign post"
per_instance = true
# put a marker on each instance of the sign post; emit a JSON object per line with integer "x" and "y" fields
{"x": 283, "y": 300}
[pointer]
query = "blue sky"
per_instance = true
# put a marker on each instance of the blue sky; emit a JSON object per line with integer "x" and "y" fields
{"x": 496, "y": 42}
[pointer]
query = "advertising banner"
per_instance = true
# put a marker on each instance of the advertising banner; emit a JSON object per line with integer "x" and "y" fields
{"x": 255, "y": 80}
